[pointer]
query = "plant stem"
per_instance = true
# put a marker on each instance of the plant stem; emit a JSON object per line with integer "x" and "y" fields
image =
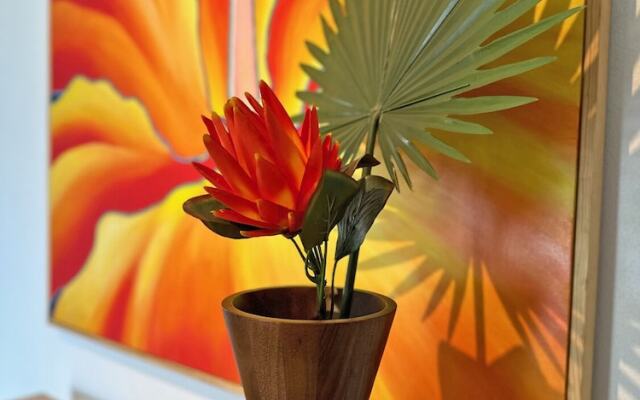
{"x": 333, "y": 280}
{"x": 304, "y": 258}
{"x": 352, "y": 267}
{"x": 321, "y": 284}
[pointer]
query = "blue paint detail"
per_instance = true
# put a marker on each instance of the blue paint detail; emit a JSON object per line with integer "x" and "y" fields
{"x": 54, "y": 301}
{"x": 55, "y": 95}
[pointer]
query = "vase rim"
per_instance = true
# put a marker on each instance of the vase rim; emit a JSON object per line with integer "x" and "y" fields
{"x": 388, "y": 307}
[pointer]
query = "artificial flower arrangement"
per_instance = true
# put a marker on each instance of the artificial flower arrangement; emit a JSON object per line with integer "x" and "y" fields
{"x": 274, "y": 179}
{"x": 390, "y": 74}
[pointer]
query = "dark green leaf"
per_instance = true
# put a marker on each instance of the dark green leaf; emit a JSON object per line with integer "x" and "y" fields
{"x": 326, "y": 207}
{"x": 361, "y": 213}
{"x": 227, "y": 229}
{"x": 366, "y": 160}
{"x": 202, "y": 207}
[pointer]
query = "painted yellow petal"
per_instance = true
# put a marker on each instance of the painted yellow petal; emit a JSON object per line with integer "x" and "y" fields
{"x": 106, "y": 156}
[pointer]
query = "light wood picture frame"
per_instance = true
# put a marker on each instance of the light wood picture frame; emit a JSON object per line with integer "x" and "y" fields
{"x": 589, "y": 199}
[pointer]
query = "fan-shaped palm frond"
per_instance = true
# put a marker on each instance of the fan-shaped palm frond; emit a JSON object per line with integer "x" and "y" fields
{"x": 394, "y": 70}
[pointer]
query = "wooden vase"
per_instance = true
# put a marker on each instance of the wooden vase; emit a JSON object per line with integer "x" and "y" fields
{"x": 284, "y": 354}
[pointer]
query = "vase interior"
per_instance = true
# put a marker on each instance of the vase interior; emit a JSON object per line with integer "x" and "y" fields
{"x": 299, "y": 303}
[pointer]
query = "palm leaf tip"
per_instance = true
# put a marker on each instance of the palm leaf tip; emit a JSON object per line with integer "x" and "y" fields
{"x": 413, "y": 68}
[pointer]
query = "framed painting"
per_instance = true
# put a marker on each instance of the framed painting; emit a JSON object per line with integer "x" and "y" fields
{"x": 493, "y": 266}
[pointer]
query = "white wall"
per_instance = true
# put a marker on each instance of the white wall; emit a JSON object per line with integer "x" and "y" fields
{"x": 617, "y": 360}
{"x": 37, "y": 357}
{"x": 34, "y": 356}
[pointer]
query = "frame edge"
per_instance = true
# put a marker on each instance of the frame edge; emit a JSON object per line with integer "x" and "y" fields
{"x": 589, "y": 199}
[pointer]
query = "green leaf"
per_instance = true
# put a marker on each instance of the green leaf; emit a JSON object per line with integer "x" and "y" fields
{"x": 227, "y": 229}
{"x": 202, "y": 207}
{"x": 414, "y": 59}
{"x": 361, "y": 213}
{"x": 326, "y": 207}
{"x": 480, "y": 105}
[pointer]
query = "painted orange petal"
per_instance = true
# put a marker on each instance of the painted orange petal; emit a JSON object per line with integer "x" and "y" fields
{"x": 287, "y": 146}
{"x": 272, "y": 212}
{"x": 312, "y": 175}
{"x": 116, "y": 302}
{"x": 282, "y": 47}
{"x": 260, "y": 232}
{"x": 233, "y": 216}
{"x": 214, "y": 37}
{"x": 231, "y": 171}
{"x": 143, "y": 52}
{"x": 272, "y": 184}
{"x": 241, "y": 206}
{"x": 212, "y": 176}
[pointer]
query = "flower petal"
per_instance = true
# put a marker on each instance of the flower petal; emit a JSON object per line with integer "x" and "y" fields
{"x": 272, "y": 184}
{"x": 330, "y": 151}
{"x": 236, "y": 203}
{"x": 254, "y": 119}
{"x": 240, "y": 156}
{"x": 312, "y": 175}
{"x": 260, "y": 232}
{"x": 232, "y": 216}
{"x": 250, "y": 141}
{"x": 294, "y": 221}
{"x": 255, "y": 104}
{"x": 314, "y": 129}
{"x": 212, "y": 176}
{"x": 272, "y": 212}
{"x": 289, "y": 154}
{"x": 304, "y": 131}
{"x": 217, "y": 128}
{"x": 231, "y": 171}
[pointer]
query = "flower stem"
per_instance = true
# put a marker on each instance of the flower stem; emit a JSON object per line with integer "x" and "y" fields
{"x": 352, "y": 267}
{"x": 333, "y": 280}
{"x": 321, "y": 284}
{"x": 304, "y": 258}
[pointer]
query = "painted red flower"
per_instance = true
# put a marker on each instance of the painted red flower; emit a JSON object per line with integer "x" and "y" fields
{"x": 266, "y": 170}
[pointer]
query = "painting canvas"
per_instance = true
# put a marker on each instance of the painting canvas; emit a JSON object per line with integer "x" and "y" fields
{"x": 479, "y": 262}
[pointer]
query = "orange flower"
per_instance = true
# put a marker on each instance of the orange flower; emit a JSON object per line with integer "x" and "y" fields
{"x": 267, "y": 171}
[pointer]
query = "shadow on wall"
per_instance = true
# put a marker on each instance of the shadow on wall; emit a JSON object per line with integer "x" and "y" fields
{"x": 628, "y": 365}
{"x": 634, "y": 144}
{"x": 617, "y": 358}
